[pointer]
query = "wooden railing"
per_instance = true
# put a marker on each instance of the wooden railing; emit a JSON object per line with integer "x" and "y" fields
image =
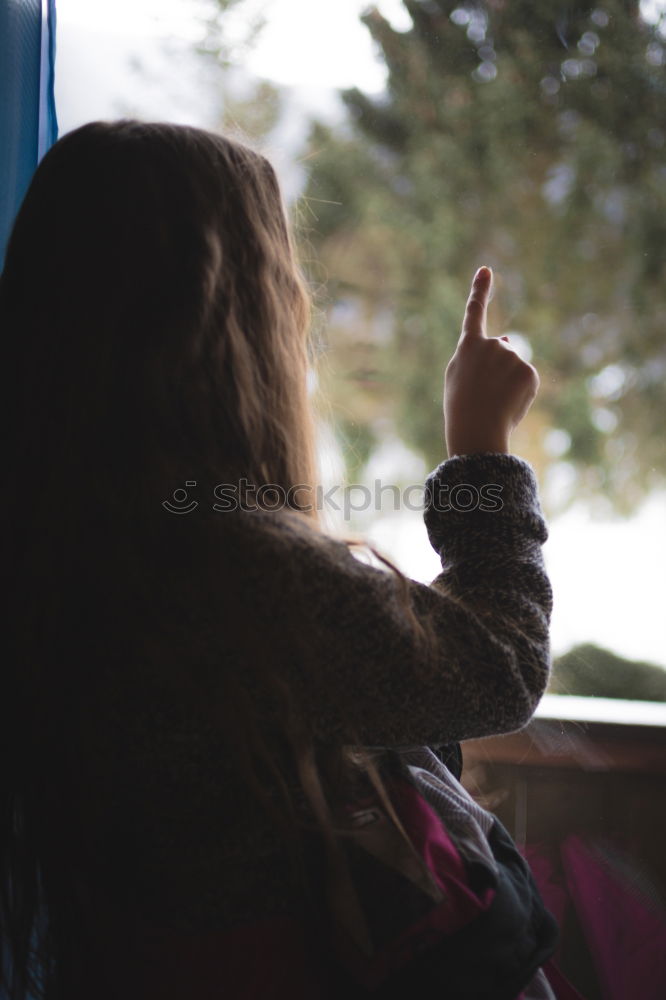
{"x": 583, "y": 792}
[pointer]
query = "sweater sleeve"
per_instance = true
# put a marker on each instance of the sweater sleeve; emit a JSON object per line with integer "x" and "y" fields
{"x": 352, "y": 658}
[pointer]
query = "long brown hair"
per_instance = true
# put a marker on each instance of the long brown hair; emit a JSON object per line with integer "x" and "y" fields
{"x": 154, "y": 325}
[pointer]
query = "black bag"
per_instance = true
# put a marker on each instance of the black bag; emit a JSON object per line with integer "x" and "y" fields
{"x": 427, "y": 890}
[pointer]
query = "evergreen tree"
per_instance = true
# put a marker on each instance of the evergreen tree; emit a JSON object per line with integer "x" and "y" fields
{"x": 529, "y": 136}
{"x": 595, "y": 672}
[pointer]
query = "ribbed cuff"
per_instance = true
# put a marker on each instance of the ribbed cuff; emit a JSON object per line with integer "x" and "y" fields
{"x": 482, "y": 495}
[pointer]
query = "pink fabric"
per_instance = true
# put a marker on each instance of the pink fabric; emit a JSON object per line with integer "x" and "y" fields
{"x": 432, "y": 842}
{"x": 549, "y": 882}
{"x": 626, "y": 932}
{"x": 556, "y": 899}
{"x": 460, "y": 906}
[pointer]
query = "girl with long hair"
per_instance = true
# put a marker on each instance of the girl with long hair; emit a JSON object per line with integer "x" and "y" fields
{"x": 189, "y": 664}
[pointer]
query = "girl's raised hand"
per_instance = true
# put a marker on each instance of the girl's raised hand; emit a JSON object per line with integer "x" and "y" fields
{"x": 488, "y": 388}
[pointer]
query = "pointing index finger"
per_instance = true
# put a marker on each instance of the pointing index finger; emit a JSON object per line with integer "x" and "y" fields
{"x": 474, "y": 323}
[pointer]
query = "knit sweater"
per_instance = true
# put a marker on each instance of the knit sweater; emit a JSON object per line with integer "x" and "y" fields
{"x": 167, "y": 814}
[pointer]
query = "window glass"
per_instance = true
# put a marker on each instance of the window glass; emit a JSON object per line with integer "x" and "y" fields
{"x": 416, "y": 141}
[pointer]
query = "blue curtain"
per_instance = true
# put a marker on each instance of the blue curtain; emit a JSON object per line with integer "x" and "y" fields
{"x": 28, "y": 124}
